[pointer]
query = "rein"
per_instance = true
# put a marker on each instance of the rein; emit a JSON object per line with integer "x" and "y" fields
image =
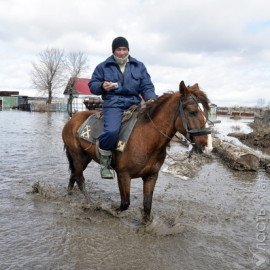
{"x": 170, "y": 138}
{"x": 161, "y": 132}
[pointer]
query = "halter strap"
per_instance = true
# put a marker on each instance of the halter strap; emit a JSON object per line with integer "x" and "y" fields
{"x": 191, "y": 132}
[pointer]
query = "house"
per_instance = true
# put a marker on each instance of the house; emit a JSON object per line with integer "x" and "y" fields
{"x": 77, "y": 86}
{"x": 12, "y": 100}
{"x": 79, "y": 96}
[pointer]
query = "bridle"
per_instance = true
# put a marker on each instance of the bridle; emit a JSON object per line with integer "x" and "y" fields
{"x": 190, "y": 133}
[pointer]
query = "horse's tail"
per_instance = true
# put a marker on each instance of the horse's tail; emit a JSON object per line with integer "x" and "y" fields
{"x": 69, "y": 157}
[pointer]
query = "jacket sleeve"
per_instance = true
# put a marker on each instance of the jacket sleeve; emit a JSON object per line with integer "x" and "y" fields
{"x": 147, "y": 87}
{"x": 96, "y": 81}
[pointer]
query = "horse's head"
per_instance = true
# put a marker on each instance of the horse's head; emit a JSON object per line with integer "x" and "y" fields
{"x": 192, "y": 117}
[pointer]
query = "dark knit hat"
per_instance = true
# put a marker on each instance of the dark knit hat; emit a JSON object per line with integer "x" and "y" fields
{"x": 119, "y": 42}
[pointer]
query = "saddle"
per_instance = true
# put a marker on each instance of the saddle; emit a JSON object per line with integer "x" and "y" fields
{"x": 92, "y": 127}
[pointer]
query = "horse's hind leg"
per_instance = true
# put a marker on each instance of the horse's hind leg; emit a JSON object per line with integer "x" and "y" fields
{"x": 72, "y": 178}
{"x": 71, "y": 183}
{"x": 81, "y": 184}
{"x": 77, "y": 164}
{"x": 78, "y": 175}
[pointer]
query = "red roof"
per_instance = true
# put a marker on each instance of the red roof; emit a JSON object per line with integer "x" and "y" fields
{"x": 79, "y": 86}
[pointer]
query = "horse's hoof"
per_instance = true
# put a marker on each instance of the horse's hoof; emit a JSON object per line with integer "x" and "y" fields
{"x": 121, "y": 208}
{"x": 118, "y": 210}
{"x": 146, "y": 218}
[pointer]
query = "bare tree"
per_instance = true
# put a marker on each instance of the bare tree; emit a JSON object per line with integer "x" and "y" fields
{"x": 76, "y": 63}
{"x": 48, "y": 73}
{"x": 260, "y": 102}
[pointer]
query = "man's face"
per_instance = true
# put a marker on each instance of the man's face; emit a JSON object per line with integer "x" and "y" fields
{"x": 121, "y": 52}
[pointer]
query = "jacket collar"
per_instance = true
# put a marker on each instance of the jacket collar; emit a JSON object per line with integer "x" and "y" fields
{"x": 110, "y": 60}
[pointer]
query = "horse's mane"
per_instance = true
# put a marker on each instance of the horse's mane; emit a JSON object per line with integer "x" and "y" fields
{"x": 151, "y": 109}
{"x": 200, "y": 95}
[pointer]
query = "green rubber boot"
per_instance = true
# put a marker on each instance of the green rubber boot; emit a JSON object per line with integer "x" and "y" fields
{"x": 105, "y": 163}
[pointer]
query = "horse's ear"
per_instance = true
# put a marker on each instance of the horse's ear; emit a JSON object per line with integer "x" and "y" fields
{"x": 183, "y": 89}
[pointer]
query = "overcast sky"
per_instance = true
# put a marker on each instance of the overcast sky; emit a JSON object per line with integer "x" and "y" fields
{"x": 223, "y": 45}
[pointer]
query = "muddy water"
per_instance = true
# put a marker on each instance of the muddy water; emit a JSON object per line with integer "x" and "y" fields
{"x": 218, "y": 219}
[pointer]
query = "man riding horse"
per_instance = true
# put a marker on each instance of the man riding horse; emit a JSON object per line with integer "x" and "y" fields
{"x": 121, "y": 80}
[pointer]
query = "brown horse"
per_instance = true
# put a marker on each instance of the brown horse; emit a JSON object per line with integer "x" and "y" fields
{"x": 146, "y": 149}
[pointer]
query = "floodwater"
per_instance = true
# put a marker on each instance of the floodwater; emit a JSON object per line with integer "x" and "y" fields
{"x": 218, "y": 219}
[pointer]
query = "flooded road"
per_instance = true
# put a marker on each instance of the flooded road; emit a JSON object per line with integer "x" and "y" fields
{"x": 218, "y": 219}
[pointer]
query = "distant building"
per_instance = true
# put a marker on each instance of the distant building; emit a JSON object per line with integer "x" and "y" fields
{"x": 9, "y": 93}
{"x": 12, "y": 100}
{"x": 78, "y": 87}
{"x": 79, "y": 96}
{"x": 213, "y": 109}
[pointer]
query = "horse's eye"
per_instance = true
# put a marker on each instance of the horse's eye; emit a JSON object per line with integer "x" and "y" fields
{"x": 194, "y": 113}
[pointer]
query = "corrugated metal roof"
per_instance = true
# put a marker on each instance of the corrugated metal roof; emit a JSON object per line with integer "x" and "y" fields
{"x": 8, "y": 93}
{"x": 79, "y": 86}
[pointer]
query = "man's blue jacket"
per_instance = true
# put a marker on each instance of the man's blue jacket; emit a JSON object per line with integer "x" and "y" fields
{"x": 135, "y": 82}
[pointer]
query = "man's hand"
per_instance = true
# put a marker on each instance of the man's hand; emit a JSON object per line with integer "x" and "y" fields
{"x": 108, "y": 86}
{"x": 149, "y": 101}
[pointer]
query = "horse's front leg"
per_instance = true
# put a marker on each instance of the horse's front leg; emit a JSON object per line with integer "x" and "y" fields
{"x": 124, "y": 188}
{"x": 148, "y": 190}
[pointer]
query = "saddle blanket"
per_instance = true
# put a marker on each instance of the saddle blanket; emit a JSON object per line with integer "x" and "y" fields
{"x": 92, "y": 128}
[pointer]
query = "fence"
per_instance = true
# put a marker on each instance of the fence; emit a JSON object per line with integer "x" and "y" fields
{"x": 43, "y": 107}
{"x": 37, "y": 106}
